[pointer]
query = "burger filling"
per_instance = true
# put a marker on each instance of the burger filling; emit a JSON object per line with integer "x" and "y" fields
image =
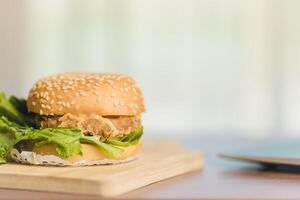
{"x": 103, "y": 126}
{"x": 20, "y": 130}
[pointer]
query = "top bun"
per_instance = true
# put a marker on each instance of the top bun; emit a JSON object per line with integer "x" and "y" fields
{"x": 86, "y": 93}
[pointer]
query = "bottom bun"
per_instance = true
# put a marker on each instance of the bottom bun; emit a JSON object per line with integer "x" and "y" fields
{"x": 91, "y": 155}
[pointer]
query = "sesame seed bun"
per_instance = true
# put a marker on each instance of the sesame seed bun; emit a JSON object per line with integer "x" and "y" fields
{"x": 86, "y": 93}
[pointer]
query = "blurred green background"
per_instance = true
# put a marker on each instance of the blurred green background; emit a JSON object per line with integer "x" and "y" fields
{"x": 205, "y": 66}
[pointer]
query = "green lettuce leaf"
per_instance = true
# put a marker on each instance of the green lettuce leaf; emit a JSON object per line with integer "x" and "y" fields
{"x": 21, "y": 106}
{"x": 15, "y": 110}
{"x": 128, "y": 139}
{"x": 112, "y": 152}
{"x": 67, "y": 140}
{"x": 8, "y": 110}
{"x": 6, "y": 144}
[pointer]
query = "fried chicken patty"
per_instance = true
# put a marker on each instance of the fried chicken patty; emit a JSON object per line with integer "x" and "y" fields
{"x": 105, "y": 126}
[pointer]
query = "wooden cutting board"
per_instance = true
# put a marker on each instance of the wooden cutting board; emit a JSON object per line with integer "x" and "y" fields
{"x": 158, "y": 161}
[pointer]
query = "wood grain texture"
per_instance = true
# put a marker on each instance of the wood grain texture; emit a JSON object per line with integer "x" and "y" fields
{"x": 221, "y": 179}
{"x": 158, "y": 161}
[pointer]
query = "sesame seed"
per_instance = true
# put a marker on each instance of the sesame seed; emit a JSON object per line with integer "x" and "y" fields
{"x": 82, "y": 93}
{"x": 116, "y": 104}
{"x": 33, "y": 103}
{"x": 113, "y": 95}
{"x": 134, "y": 90}
{"x": 110, "y": 82}
{"x": 99, "y": 99}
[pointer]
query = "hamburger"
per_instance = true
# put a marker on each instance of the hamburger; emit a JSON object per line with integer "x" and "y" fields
{"x": 76, "y": 117}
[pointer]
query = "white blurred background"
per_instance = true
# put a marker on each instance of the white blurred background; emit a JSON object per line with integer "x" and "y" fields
{"x": 205, "y": 66}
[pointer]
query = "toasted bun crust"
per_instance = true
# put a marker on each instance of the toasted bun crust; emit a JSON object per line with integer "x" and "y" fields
{"x": 89, "y": 152}
{"x": 86, "y": 93}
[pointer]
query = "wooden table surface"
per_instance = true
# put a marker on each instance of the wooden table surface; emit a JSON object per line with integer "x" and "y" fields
{"x": 220, "y": 179}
